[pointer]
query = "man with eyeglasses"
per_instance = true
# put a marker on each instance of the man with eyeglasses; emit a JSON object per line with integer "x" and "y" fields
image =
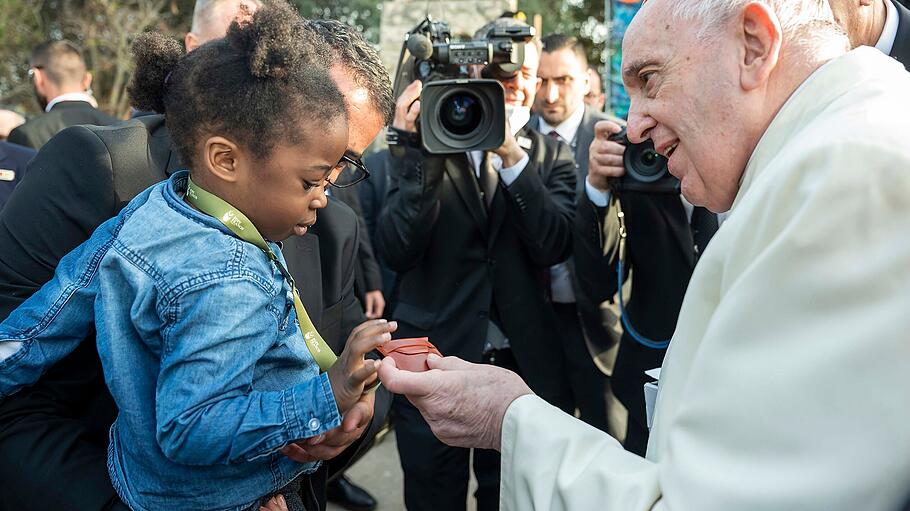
{"x": 53, "y": 435}
{"x": 62, "y": 84}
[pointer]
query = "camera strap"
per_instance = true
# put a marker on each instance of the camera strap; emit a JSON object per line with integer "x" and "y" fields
{"x": 243, "y": 228}
{"x": 620, "y": 266}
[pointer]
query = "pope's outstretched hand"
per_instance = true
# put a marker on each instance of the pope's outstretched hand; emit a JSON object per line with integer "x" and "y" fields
{"x": 463, "y": 403}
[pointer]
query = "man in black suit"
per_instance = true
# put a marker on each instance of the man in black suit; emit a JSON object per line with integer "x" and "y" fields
{"x": 61, "y": 80}
{"x": 372, "y": 199}
{"x": 367, "y": 275}
{"x": 561, "y": 113}
{"x": 53, "y": 435}
{"x": 472, "y": 237}
{"x": 883, "y": 24}
{"x": 13, "y": 161}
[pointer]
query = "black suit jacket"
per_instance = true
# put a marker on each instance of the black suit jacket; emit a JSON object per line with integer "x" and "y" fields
{"x": 367, "y": 276}
{"x": 13, "y": 158}
{"x": 599, "y": 334}
{"x": 457, "y": 262}
{"x": 661, "y": 257}
{"x": 373, "y": 193}
{"x": 901, "y": 48}
{"x": 36, "y": 132}
{"x": 83, "y": 177}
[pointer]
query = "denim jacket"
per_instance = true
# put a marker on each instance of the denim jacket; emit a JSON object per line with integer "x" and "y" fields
{"x": 200, "y": 346}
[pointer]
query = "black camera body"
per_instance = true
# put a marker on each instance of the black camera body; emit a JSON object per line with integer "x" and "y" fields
{"x": 460, "y": 114}
{"x": 646, "y": 170}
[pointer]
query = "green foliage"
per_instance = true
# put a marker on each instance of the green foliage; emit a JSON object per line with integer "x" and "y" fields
{"x": 581, "y": 18}
{"x": 363, "y": 14}
{"x": 104, "y": 29}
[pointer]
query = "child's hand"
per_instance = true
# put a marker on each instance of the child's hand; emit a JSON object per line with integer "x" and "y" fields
{"x": 351, "y": 371}
{"x": 334, "y": 442}
{"x": 276, "y": 503}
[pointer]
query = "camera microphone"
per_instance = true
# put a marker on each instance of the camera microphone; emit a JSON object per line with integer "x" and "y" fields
{"x": 420, "y": 46}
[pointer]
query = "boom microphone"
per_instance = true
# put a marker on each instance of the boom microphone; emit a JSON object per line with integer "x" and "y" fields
{"x": 420, "y": 46}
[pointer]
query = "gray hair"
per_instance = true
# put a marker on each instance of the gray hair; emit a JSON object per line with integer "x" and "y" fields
{"x": 808, "y": 24}
{"x": 361, "y": 59}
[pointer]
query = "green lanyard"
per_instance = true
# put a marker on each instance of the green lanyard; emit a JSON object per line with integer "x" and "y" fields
{"x": 240, "y": 225}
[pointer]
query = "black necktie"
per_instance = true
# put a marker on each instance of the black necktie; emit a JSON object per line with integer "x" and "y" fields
{"x": 487, "y": 180}
{"x": 704, "y": 225}
{"x": 554, "y": 134}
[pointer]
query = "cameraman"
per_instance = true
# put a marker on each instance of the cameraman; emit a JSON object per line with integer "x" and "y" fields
{"x": 472, "y": 237}
{"x": 665, "y": 236}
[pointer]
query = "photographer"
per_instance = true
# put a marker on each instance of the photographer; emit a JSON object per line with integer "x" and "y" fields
{"x": 472, "y": 236}
{"x": 665, "y": 236}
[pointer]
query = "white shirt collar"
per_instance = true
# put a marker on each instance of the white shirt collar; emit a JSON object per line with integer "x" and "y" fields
{"x": 567, "y": 128}
{"x": 889, "y": 33}
{"x": 71, "y": 96}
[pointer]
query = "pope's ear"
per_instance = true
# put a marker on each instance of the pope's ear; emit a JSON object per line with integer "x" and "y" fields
{"x": 760, "y": 39}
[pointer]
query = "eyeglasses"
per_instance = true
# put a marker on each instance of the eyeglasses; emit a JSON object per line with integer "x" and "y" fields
{"x": 352, "y": 172}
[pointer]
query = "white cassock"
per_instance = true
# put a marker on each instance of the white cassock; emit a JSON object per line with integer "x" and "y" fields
{"x": 787, "y": 384}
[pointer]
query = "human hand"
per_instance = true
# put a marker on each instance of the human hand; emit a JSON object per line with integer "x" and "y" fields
{"x": 407, "y": 107}
{"x": 510, "y": 152}
{"x": 374, "y": 303}
{"x": 351, "y": 372}
{"x": 463, "y": 403}
{"x": 605, "y": 156}
{"x": 334, "y": 442}
{"x": 276, "y": 503}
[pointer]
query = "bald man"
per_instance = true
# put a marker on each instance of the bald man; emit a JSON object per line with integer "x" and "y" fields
{"x": 212, "y": 17}
{"x": 8, "y": 121}
{"x": 882, "y": 24}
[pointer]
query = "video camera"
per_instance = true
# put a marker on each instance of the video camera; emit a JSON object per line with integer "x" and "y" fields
{"x": 646, "y": 169}
{"x": 460, "y": 114}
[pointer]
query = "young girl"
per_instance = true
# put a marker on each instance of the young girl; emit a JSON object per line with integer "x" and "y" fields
{"x": 206, "y": 348}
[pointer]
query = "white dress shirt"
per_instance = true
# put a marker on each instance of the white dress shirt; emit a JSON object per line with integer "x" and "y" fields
{"x": 567, "y": 129}
{"x": 507, "y": 175}
{"x": 71, "y": 96}
{"x": 889, "y": 33}
{"x": 496, "y": 339}
{"x": 561, "y": 289}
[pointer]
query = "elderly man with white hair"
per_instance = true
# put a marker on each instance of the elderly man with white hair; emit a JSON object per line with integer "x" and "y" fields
{"x": 786, "y": 384}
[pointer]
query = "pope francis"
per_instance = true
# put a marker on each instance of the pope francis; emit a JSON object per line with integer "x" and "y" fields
{"x": 787, "y": 382}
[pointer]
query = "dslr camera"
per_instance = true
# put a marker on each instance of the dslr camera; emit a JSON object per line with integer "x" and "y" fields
{"x": 646, "y": 169}
{"x": 458, "y": 113}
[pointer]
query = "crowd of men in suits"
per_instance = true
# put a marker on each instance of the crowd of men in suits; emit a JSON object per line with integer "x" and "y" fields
{"x": 502, "y": 257}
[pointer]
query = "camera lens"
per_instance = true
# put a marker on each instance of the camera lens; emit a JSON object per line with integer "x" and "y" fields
{"x": 651, "y": 162}
{"x": 461, "y": 113}
{"x": 644, "y": 163}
